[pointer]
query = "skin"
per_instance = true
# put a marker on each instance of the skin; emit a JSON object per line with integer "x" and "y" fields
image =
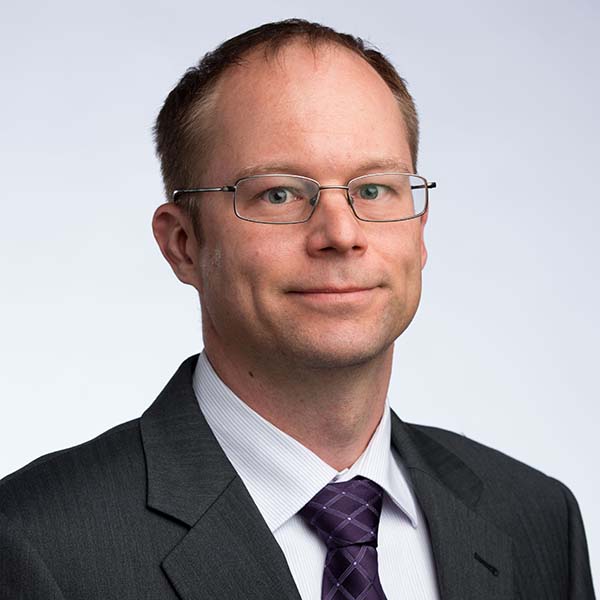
{"x": 313, "y": 360}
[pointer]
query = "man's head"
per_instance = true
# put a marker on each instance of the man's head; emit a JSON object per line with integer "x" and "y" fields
{"x": 317, "y": 109}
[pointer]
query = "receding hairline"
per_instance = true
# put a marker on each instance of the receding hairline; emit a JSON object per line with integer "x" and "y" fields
{"x": 199, "y": 121}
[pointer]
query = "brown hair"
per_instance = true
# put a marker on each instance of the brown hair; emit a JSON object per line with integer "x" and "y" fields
{"x": 182, "y": 131}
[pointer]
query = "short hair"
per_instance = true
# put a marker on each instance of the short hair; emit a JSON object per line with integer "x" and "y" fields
{"x": 182, "y": 131}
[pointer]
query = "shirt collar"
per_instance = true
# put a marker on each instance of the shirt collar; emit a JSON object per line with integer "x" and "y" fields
{"x": 280, "y": 473}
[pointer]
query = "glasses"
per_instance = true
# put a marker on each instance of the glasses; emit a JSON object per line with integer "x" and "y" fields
{"x": 288, "y": 199}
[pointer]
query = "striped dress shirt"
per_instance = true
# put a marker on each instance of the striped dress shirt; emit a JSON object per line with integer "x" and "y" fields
{"x": 282, "y": 475}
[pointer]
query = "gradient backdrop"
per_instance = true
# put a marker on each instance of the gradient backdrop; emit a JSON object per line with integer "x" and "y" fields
{"x": 505, "y": 345}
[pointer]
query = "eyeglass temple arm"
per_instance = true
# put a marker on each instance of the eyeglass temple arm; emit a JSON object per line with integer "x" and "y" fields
{"x": 225, "y": 188}
{"x": 430, "y": 185}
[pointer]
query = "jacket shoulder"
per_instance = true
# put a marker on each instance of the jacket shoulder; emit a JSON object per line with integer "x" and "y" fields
{"x": 510, "y": 485}
{"x": 71, "y": 477}
{"x": 488, "y": 463}
{"x": 76, "y": 523}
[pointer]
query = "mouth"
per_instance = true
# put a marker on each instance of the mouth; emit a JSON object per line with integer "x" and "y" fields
{"x": 355, "y": 296}
{"x": 332, "y": 290}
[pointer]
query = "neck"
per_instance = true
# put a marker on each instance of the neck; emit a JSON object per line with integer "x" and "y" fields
{"x": 332, "y": 411}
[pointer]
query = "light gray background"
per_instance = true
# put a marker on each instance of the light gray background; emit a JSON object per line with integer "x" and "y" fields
{"x": 505, "y": 345}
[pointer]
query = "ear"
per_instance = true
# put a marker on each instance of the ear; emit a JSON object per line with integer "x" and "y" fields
{"x": 174, "y": 234}
{"x": 423, "y": 248}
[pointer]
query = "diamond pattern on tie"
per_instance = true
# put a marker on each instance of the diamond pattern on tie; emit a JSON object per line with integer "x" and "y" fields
{"x": 346, "y": 517}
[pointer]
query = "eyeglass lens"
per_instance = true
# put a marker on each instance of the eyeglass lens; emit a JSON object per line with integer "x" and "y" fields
{"x": 288, "y": 198}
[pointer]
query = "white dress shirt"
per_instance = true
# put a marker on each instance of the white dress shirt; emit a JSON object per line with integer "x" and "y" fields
{"x": 282, "y": 475}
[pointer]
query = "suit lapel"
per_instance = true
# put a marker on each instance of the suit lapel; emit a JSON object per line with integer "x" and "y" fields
{"x": 473, "y": 558}
{"x": 228, "y": 551}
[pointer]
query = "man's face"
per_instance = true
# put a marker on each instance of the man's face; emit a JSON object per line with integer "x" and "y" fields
{"x": 267, "y": 291}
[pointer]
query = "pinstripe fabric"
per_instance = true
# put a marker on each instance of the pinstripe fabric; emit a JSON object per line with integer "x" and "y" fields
{"x": 282, "y": 475}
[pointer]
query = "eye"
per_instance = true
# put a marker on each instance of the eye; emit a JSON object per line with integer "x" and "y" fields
{"x": 278, "y": 195}
{"x": 370, "y": 191}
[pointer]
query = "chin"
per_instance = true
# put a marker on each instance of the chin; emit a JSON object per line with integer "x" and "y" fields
{"x": 341, "y": 343}
{"x": 338, "y": 351}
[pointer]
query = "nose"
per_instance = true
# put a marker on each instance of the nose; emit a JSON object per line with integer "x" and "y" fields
{"x": 333, "y": 226}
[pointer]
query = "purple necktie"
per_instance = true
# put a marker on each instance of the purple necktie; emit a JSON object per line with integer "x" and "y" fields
{"x": 346, "y": 516}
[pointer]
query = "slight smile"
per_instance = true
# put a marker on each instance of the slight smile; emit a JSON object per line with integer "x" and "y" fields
{"x": 332, "y": 290}
{"x": 331, "y": 294}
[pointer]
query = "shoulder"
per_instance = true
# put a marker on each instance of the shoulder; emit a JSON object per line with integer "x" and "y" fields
{"x": 487, "y": 462}
{"x": 510, "y": 486}
{"x": 67, "y": 481}
{"x": 71, "y": 516}
{"x": 492, "y": 466}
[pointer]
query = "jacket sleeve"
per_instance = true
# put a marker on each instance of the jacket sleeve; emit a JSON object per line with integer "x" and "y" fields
{"x": 23, "y": 573}
{"x": 580, "y": 576}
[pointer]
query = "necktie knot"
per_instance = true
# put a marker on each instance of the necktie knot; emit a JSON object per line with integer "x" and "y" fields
{"x": 346, "y": 513}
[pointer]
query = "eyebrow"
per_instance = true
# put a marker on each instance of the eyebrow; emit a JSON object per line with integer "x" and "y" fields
{"x": 371, "y": 166}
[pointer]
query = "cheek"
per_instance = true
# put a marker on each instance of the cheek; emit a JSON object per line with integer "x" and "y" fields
{"x": 239, "y": 269}
{"x": 402, "y": 250}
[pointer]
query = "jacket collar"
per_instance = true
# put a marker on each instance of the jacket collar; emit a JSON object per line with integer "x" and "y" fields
{"x": 190, "y": 479}
{"x": 185, "y": 466}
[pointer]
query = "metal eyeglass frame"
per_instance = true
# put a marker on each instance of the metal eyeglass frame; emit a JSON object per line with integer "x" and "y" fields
{"x": 427, "y": 185}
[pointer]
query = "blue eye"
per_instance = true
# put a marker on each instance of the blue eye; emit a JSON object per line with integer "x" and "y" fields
{"x": 370, "y": 191}
{"x": 277, "y": 195}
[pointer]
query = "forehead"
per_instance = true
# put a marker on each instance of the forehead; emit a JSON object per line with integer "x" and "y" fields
{"x": 322, "y": 108}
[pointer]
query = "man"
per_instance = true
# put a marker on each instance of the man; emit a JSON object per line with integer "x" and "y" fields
{"x": 271, "y": 466}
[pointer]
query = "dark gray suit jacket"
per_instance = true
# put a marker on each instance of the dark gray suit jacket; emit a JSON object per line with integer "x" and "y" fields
{"x": 152, "y": 509}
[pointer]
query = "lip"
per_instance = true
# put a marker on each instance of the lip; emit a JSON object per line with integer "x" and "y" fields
{"x": 334, "y": 297}
{"x": 332, "y": 290}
